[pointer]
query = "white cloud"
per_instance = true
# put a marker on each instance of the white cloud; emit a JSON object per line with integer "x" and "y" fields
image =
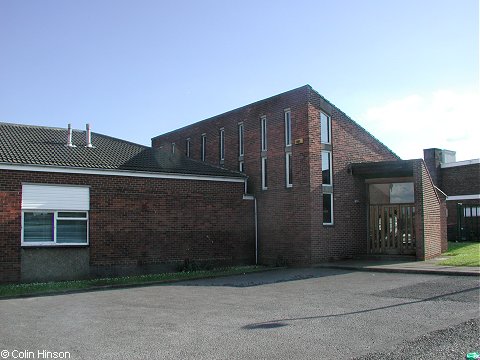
{"x": 444, "y": 119}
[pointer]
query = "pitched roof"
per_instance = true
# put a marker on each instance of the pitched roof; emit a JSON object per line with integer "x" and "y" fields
{"x": 39, "y": 145}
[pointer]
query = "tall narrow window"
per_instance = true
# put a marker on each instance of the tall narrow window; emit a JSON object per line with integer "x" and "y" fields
{"x": 288, "y": 170}
{"x": 222, "y": 144}
{"x": 288, "y": 128}
{"x": 325, "y": 129}
{"x": 203, "y": 147}
{"x": 326, "y": 167}
{"x": 327, "y": 209}
{"x": 263, "y": 122}
{"x": 187, "y": 147}
{"x": 264, "y": 174}
{"x": 241, "y": 166}
{"x": 173, "y": 148}
{"x": 240, "y": 140}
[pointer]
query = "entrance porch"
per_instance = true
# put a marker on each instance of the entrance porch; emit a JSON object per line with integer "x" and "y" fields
{"x": 405, "y": 214}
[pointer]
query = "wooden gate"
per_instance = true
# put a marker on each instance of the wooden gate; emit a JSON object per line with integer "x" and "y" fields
{"x": 392, "y": 229}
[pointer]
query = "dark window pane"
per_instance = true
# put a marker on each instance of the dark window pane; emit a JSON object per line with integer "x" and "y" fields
{"x": 82, "y": 215}
{"x": 72, "y": 231}
{"x": 327, "y": 208}
{"x": 290, "y": 171}
{"x": 37, "y": 227}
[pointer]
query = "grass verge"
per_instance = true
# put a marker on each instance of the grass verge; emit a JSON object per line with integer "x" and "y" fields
{"x": 12, "y": 290}
{"x": 462, "y": 254}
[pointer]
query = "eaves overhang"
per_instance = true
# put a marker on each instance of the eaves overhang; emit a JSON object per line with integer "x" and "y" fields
{"x": 383, "y": 169}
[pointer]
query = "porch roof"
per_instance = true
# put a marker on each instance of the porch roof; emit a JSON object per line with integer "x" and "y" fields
{"x": 383, "y": 169}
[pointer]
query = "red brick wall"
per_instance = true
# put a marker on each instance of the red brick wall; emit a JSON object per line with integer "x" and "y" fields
{"x": 290, "y": 219}
{"x": 461, "y": 180}
{"x": 457, "y": 180}
{"x": 10, "y": 202}
{"x": 140, "y": 221}
{"x": 350, "y": 143}
{"x": 430, "y": 215}
{"x": 283, "y": 213}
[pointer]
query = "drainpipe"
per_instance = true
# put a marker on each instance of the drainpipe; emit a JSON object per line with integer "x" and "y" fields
{"x": 256, "y": 231}
{"x": 255, "y": 214}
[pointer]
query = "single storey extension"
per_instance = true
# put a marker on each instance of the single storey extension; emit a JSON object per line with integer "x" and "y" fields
{"x": 76, "y": 204}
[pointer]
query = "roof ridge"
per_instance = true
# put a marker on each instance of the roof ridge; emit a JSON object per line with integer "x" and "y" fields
{"x": 74, "y": 130}
{"x": 354, "y": 122}
{"x": 232, "y": 110}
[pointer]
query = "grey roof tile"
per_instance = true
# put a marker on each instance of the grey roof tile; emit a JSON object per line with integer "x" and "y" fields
{"x": 39, "y": 145}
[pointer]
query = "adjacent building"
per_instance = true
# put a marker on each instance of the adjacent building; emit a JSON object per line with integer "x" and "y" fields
{"x": 460, "y": 181}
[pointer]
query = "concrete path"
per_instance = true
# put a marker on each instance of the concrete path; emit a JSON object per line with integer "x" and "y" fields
{"x": 400, "y": 266}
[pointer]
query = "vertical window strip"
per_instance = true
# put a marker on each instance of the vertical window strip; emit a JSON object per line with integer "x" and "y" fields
{"x": 173, "y": 148}
{"x": 241, "y": 166}
{"x": 240, "y": 140}
{"x": 203, "y": 147}
{"x": 264, "y": 132}
{"x": 288, "y": 128}
{"x": 264, "y": 174}
{"x": 187, "y": 147}
{"x": 288, "y": 170}
{"x": 327, "y": 209}
{"x": 327, "y": 167}
{"x": 222, "y": 144}
{"x": 325, "y": 128}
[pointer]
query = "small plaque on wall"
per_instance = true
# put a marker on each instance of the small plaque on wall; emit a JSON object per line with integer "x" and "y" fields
{"x": 298, "y": 141}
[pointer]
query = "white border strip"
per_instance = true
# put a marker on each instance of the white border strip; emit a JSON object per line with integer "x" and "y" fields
{"x": 128, "y": 173}
{"x": 460, "y": 163}
{"x": 464, "y": 197}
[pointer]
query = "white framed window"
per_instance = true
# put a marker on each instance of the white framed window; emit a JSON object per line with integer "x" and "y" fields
{"x": 203, "y": 150}
{"x": 325, "y": 128}
{"x": 263, "y": 124}
{"x": 173, "y": 148}
{"x": 54, "y": 215}
{"x": 288, "y": 128}
{"x": 327, "y": 209}
{"x": 264, "y": 174}
{"x": 240, "y": 140}
{"x": 241, "y": 166}
{"x": 288, "y": 170}
{"x": 471, "y": 211}
{"x": 327, "y": 167}
{"x": 222, "y": 144}
{"x": 54, "y": 228}
{"x": 187, "y": 147}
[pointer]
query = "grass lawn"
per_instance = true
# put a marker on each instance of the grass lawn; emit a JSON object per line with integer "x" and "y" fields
{"x": 462, "y": 254}
{"x": 9, "y": 290}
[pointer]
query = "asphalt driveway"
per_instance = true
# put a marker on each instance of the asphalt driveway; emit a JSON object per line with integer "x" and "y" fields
{"x": 283, "y": 314}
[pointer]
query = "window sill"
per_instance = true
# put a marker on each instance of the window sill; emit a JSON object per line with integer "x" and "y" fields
{"x": 24, "y": 245}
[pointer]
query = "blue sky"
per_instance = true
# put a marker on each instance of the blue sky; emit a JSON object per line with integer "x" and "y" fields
{"x": 136, "y": 69}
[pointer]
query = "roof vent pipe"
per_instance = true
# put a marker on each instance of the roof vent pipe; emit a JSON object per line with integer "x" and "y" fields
{"x": 89, "y": 137}
{"x": 69, "y": 136}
